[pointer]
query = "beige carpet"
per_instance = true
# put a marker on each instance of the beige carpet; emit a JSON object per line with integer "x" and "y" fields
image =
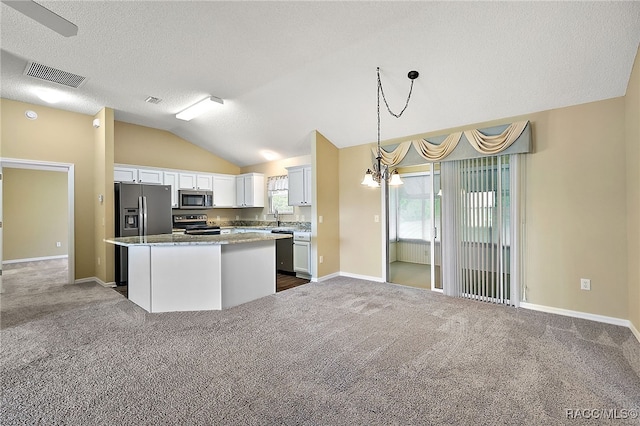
{"x": 340, "y": 352}
{"x": 34, "y": 277}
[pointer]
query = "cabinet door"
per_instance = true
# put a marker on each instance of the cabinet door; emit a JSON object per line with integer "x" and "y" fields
{"x": 150, "y": 176}
{"x": 307, "y": 186}
{"x": 240, "y": 191}
{"x": 224, "y": 190}
{"x": 204, "y": 182}
{"x": 171, "y": 178}
{"x": 301, "y": 258}
{"x": 257, "y": 191}
{"x": 296, "y": 187}
{"x": 187, "y": 181}
{"x": 125, "y": 174}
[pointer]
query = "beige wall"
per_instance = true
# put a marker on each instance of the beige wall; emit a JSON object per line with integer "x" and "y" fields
{"x": 103, "y": 186}
{"x": 57, "y": 136}
{"x": 632, "y": 121}
{"x": 274, "y": 168}
{"x": 145, "y": 146}
{"x": 35, "y": 214}
{"x": 326, "y": 203}
{"x": 360, "y": 235}
{"x": 576, "y": 209}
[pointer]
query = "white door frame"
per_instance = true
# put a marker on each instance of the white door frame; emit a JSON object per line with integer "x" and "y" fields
{"x": 67, "y": 168}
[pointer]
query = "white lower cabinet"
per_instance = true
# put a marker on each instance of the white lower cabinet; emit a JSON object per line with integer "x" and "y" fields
{"x": 302, "y": 252}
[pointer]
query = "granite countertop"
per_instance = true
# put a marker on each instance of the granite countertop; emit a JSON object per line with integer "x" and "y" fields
{"x": 191, "y": 240}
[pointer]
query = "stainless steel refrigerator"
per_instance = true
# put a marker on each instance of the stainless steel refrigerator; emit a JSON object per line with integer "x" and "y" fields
{"x": 139, "y": 210}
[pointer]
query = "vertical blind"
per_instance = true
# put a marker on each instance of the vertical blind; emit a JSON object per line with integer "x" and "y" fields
{"x": 480, "y": 239}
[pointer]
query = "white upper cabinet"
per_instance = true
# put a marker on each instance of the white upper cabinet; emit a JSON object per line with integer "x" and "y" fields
{"x": 299, "y": 185}
{"x": 224, "y": 190}
{"x": 125, "y": 174}
{"x": 150, "y": 176}
{"x": 204, "y": 182}
{"x": 228, "y": 190}
{"x": 187, "y": 181}
{"x": 171, "y": 178}
{"x": 198, "y": 181}
{"x": 250, "y": 190}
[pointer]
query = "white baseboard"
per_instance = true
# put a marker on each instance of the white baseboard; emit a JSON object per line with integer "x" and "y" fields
{"x": 35, "y": 259}
{"x": 325, "y": 277}
{"x": 96, "y": 280}
{"x": 634, "y": 331}
{"x": 582, "y": 315}
{"x": 361, "y": 277}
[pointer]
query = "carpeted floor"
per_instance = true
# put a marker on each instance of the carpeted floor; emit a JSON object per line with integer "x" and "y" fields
{"x": 340, "y": 352}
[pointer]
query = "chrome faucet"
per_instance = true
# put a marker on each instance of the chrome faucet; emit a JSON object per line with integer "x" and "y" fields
{"x": 276, "y": 216}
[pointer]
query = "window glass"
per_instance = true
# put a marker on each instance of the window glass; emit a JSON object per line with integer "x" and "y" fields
{"x": 278, "y": 194}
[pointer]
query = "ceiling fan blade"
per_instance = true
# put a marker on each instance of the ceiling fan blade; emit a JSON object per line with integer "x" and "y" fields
{"x": 43, "y": 15}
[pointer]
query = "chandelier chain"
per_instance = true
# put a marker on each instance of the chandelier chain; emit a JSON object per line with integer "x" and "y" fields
{"x": 381, "y": 90}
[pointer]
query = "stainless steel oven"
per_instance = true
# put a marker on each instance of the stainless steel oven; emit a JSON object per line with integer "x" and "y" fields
{"x": 192, "y": 199}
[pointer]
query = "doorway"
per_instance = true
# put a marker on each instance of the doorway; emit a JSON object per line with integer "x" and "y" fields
{"x": 413, "y": 229}
{"x": 40, "y": 216}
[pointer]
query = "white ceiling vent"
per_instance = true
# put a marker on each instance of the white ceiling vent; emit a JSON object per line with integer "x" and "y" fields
{"x": 54, "y": 75}
{"x": 152, "y": 100}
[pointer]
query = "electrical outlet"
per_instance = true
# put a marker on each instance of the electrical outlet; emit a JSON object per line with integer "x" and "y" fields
{"x": 585, "y": 284}
{"x": 58, "y": 244}
{"x": 320, "y": 219}
{"x": 237, "y": 217}
{"x": 218, "y": 218}
{"x": 303, "y": 218}
{"x": 321, "y": 259}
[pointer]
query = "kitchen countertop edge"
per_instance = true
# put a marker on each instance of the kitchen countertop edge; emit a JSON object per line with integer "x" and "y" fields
{"x": 191, "y": 240}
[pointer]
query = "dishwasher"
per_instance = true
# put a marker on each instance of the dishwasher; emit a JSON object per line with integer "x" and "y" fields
{"x": 284, "y": 252}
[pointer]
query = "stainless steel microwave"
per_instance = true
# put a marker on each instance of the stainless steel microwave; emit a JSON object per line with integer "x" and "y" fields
{"x": 192, "y": 199}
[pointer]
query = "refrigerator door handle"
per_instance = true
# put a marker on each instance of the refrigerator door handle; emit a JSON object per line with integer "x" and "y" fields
{"x": 140, "y": 217}
{"x": 144, "y": 215}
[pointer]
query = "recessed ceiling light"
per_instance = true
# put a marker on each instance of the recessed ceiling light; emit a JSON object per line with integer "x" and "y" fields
{"x": 31, "y": 115}
{"x": 49, "y": 96}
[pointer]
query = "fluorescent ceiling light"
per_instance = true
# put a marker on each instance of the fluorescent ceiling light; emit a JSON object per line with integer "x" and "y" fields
{"x": 269, "y": 155}
{"x": 49, "y": 96}
{"x": 199, "y": 108}
{"x": 44, "y": 16}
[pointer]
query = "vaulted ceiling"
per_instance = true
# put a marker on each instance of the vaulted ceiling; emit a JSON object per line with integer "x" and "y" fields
{"x": 285, "y": 69}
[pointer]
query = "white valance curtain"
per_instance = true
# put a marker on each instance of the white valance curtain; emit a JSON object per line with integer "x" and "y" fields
{"x": 483, "y": 144}
{"x": 277, "y": 183}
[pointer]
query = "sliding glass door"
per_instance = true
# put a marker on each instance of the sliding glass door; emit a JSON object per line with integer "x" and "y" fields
{"x": 479, "y": 207}
{"x": 413, "y": 244}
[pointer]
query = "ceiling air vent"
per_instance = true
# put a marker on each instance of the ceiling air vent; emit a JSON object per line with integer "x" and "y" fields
{"x": 152, "y": 100}
{"x": 54, "y": 75}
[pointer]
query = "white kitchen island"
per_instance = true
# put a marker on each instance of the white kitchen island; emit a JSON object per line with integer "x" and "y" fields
{"x": 199, "y": 272}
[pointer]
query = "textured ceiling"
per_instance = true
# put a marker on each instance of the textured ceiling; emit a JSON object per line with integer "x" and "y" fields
{"x": 285, "y": 69}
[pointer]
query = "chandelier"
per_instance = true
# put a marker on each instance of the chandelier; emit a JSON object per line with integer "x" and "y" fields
{"x": 372, "y": 178}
